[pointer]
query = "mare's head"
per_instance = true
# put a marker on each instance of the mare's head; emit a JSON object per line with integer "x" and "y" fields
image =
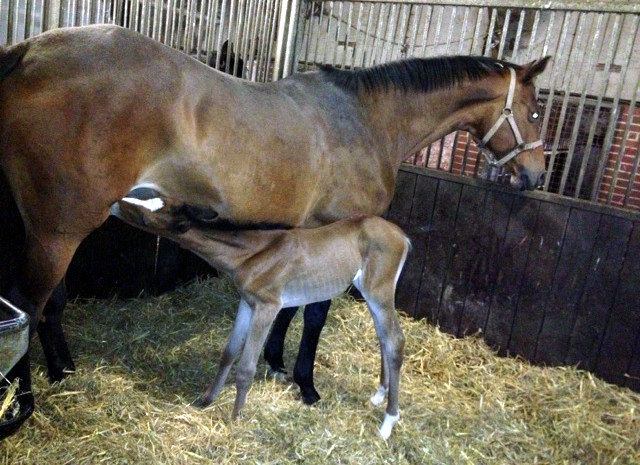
{"x": 508, "y": 125}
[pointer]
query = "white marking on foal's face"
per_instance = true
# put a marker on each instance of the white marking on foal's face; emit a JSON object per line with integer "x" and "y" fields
{"x": 151, "y": 204}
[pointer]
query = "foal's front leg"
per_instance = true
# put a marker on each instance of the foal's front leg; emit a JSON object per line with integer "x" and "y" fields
{"x": 261, "y": 319}
{"x": 231, "y": 351}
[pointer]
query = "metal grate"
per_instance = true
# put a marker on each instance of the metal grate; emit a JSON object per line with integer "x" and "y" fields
{"x": 589, "y": 92}
{"x": 198, "y": 27}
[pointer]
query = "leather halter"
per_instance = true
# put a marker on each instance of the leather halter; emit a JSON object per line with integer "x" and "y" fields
{"x": 507, "y": 114}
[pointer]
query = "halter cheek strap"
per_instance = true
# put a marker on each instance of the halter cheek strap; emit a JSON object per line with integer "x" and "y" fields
{"x": 507, "y": 115}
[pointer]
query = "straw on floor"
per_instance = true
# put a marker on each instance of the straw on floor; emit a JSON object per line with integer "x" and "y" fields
{"x": 142, "y": 361}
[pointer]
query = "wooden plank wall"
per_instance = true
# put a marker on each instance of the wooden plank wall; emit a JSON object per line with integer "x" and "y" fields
{"x": 553, "y": 280}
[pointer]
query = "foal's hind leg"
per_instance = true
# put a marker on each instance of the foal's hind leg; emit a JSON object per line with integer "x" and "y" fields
{"x": 230, "y": 353}
{"x": 392, "y": 347}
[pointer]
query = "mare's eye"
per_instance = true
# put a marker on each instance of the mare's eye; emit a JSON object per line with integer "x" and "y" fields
{"x": 535, "y": 115}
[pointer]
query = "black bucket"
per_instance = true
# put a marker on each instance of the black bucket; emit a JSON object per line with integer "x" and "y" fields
{"x": 14, "y": 363}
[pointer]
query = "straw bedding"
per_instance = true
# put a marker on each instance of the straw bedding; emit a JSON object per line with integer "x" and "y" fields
{"x": 142, "y": 361}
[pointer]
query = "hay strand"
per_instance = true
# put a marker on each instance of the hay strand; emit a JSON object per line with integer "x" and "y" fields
{"x": 142, "y": 361}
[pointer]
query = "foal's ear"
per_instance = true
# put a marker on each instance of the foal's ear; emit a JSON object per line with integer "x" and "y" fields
{"x": 536, "y": 67}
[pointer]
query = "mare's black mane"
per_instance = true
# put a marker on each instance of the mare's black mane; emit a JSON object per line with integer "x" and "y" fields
{"x": 417, "y": 74}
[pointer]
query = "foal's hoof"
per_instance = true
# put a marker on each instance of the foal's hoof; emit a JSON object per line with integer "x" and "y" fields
{"x": 202, "y": 402}
{"x": 309, "y": 395}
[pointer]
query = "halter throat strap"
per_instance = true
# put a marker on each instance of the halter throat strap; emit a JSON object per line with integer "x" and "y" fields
{"x": 507, "y": 114}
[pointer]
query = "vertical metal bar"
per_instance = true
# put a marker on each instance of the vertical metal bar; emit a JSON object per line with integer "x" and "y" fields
{"x": 425, "y": 32}
{"x": 605, "y": 150}
{"x": 282, "y": 21}
{"x": 316, "y": 50}
{"x": 589, "y": 60}
{"x": 476, "y": 34}
{"x": 27, "y": 17}
{"x": 337, "y": 38}
{"x": 330, "y": 15}
{"x": 347, "y": 35}
{"x": 371, "y": 7}
{"x": 463, "y": 31}
{"x": 377, "y": 34}
{"x": 450, "y": 32}
{"x": 565, "y": 100}
{"x": 516, "y": 44}
{"x": 436, "y": 40}
{"x": 202, "y": 23}
{"x": 288, "y": 58}
{"x": 505, "y": 31}
{"x": 612, "y": 122}
{"x": 390, "y": 34}
{"x": 223, "y": 16}
{"x": 400, "y": 34}
{"x": 358, "y": 30}
{"x": 272, "y": 35}
{"x": 595, "y": 51}
{"x": 534, "y": 31}
{"x": 492, "y": 25}
{"x": 414, "y": 19}
{"x": 267, "y": 39}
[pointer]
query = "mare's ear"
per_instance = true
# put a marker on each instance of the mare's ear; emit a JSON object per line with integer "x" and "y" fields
{"x": 531, "y": 70}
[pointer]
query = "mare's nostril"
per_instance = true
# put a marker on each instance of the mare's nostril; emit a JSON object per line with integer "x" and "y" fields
{"x": 541, "y": 179}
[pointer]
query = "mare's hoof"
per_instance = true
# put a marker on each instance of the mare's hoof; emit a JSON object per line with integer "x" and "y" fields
{"x": 201, "y": 403}
{"x": 59, "y": 373}
{"x": 309, "y": 395}
{"x": 279, "y": 374}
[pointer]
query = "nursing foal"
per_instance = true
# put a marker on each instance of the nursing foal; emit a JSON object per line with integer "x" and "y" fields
{"x": 288, "y": 267}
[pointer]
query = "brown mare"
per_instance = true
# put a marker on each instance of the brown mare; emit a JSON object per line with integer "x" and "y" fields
{"x": 89, "y": 113}
{"x": 276, "y": 268}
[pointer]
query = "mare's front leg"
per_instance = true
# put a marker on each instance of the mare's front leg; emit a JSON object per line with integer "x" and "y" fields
{"x": 274, "y": 348}
{"x": 315, "y": 316}
{"x": 230, "y": 353}
{"x": 261, "y": 320}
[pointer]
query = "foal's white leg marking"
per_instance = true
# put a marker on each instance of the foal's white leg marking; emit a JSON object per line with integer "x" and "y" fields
{"x": 379, "y": 396}
{"x": 387, "y": 425}
{"x": 150, "y": 204}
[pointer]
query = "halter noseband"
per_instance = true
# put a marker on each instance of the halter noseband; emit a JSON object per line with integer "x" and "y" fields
{"x": 507, "y": 114}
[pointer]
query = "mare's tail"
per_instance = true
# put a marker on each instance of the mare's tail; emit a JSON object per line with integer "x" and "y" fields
{"x": 11, "y": 226}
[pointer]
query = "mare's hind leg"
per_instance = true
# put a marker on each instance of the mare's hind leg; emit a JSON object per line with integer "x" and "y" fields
{"x": 54, "y": 345}
{"x": 230, "y": 353}
{"x": 274, "y": 348}
{"x": 45, "y": 261}
{"x": 315, "y": 316}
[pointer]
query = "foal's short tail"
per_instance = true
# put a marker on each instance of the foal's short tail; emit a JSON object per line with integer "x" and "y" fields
{"x": 11, "y": 57}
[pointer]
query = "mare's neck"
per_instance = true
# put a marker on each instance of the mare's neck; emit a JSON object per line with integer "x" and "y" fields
{"x": 409, "y": 121}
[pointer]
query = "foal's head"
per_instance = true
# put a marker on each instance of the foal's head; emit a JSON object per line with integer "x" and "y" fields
{"x": 153, "y": 212}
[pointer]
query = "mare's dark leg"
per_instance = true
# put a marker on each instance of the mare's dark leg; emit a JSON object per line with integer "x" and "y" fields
{"x": 54, "y": 345}
{"x": 274, "y": 347}
{"x": 315, "y": 316}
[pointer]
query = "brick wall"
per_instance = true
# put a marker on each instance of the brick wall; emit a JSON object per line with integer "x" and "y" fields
{"x": 623, "y": 153}
{"x": 622, "y": 158}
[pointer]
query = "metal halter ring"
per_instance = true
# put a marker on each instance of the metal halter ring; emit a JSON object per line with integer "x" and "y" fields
{"x": 507, "y": 114}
